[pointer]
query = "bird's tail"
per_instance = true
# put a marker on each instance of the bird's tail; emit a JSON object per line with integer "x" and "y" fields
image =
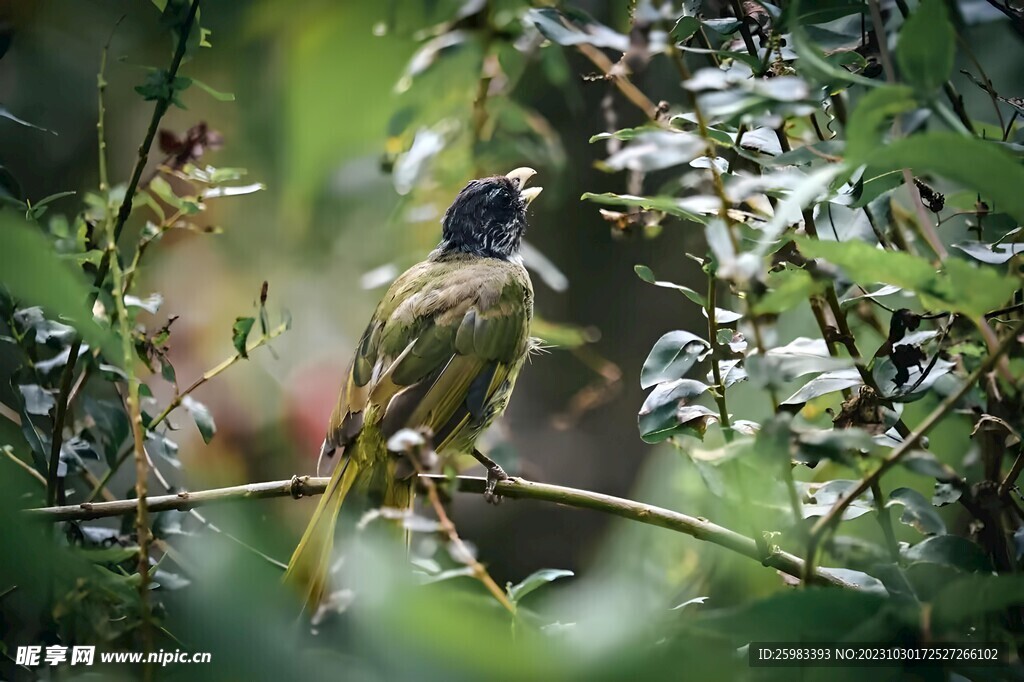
{"x": 309, "y": 567}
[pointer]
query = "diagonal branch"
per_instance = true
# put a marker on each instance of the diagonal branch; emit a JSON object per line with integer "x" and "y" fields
{"x": 515, "y": 488}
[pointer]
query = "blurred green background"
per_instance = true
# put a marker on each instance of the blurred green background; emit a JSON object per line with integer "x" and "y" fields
{"x": 320, "y": 111}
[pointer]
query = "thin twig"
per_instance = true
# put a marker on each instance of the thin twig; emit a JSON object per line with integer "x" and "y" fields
{"x": 215, "y": 371}
{"x": 513, "y": 488}
{"x": 24, "y": 465}
{"x": 1011, "y": 476}
{"x": 465, "y": 554}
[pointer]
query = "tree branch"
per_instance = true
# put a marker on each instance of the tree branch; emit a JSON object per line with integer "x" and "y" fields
{"x": 515, "y": 488}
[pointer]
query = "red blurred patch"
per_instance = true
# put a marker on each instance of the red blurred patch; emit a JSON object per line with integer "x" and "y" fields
{"x": 311, "y": 393}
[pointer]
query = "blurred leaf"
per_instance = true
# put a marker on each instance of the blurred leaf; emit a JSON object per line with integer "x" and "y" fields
{"x": 977, "y": 164}
{"x": 962, "y": 288}
{"x": 112, "y": 427}
{"x": 216, "y": 94}
{"x": 658, "y": 418}
{"x": 829, "y": 382}
{"x": 150, "y": 304}
{"x": 156, "y": 87}
{"x": 574, "y": 27}
{"x": 647, "y": 275}
{"x": 233, "y": 191}
{"x": 926, "y": 464}
{"x": 802, "y": 355}
{"x": 672, "y": 357}
{"x": 651, "y": 151}
{"x": 33, "y": 273}
{"x": 918, "y": 512}
{"x": 36, "y": 399}
{"x": 945, "y": 493}
{"x": 240, "y": 334}
{"x": 562, "y": 335}
{"x": 536, "y": 261}
{"x": 952, "y": 551}
{"x": 812, "y": 614}
{"x": 873, "y": 116}
{"x": 5, "y": 113}
{"x": 822, "y": 497}
{"x": 838, "y": 445}
{"x": 159, "y": 444}
{"x": 927, "y": 46}
{"x": 534, "y": 581}
{"x": 202, "y": 416}
{"x": 994, "y": 254}
{"x": 787, "y": 289}
{"x": 976, "y": 596}
{"x": 669, "y": 205}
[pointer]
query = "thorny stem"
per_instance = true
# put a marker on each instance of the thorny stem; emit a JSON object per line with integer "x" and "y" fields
{"x": 513, "y": 488}
{"x": 67, "y": 375}
{"x": 827, "y": 522}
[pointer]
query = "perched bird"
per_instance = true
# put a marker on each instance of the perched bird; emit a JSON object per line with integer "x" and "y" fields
{"x": 441, "y": 353}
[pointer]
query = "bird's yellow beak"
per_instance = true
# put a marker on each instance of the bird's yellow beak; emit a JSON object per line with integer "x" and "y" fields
{"x": 521, "y": 176}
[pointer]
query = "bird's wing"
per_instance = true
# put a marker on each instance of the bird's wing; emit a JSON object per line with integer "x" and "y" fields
{"x": 445, "y": 337}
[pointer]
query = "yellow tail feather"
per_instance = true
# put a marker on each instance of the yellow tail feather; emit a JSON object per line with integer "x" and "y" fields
{"x": 310, "y": 563}
{"x": 368, "y": 469}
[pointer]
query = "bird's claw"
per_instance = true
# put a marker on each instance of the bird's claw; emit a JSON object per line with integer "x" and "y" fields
{"x": 494, "y": 474}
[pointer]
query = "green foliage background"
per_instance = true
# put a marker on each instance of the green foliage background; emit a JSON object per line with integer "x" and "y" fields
{"x": 360, "y": 121}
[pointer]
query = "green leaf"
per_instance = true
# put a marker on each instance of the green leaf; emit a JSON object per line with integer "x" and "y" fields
{"x": 668, "y": 411}
{"x": 977, "y": 164}
{"x": 811, "y": 614}
{"x": 976, "y": 596}
{"x": 918, "y": 512}
{"x": 647, "y": 275}
{"x": 240, "y": 334}
{"x": 927, "y": 46}
{"x": 201, "y": 414}
{"x": 672, "y": 357}
{"x": 670, "y": 205}
{"x": 33, "y": 273}
{"x": 962, "y": 288}
{"x": 873, "y": 115}
{"x": 216, "y": 94}
{"x": 950, "y": 550}
{"x": 788, "y": 288}
{"x": 533, "y": 581}
{"x": 823, "y": 384}
{"x": 5, "y": 113}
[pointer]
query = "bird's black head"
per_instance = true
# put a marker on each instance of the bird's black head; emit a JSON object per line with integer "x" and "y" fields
{"x": 488, "y": 217}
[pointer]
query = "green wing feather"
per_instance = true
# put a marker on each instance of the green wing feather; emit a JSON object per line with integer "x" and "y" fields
{"x": 444, "y": 327}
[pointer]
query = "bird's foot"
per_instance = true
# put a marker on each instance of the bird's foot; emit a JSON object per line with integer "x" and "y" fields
{"x": 494, "y": 474}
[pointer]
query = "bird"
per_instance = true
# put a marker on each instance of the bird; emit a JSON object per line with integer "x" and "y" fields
{"x": 441, "y": 354}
